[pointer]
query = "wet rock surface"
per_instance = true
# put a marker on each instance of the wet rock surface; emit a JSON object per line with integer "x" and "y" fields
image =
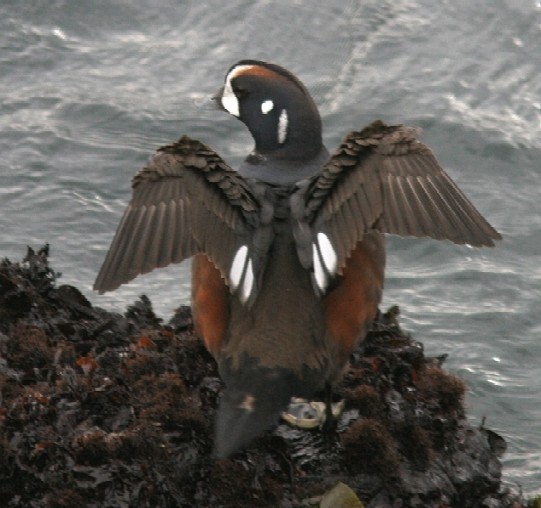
{"x": 99, "y": 409}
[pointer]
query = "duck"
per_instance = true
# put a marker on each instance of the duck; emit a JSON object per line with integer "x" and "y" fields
{"x": 288, "y": 249}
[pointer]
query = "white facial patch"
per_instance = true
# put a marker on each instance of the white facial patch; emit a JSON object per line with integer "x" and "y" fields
{"x": 267, "y": 106}
{"x": 282, "y": 127}
{"x": 325, "y": 261}
{"x": 241, "y": 273}
{"x": 229, "y": 100}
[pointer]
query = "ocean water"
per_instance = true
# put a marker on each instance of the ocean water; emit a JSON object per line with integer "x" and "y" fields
{"x": 88, "y": 91}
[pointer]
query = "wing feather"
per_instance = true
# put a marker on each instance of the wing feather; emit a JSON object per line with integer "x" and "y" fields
{"x": 383, "y": 178}
{"x": 187, "y": 200}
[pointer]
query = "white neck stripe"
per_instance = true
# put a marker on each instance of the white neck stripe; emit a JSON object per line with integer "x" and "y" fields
{"x": 282, "y": 127}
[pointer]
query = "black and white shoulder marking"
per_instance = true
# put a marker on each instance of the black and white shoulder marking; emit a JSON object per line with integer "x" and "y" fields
{"x": 325, "y": 261}
{"x": 241, "y": 274}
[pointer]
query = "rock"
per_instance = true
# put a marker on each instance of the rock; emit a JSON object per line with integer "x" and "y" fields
{"x": 104, "y": 409}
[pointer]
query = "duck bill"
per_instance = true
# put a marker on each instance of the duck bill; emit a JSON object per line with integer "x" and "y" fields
{"x": 216, "y": 99}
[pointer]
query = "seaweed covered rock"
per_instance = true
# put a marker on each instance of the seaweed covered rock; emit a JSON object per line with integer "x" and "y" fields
{"x": 99, "y": 409}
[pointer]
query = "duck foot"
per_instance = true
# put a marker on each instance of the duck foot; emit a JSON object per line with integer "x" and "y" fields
{"x": 309, "y": 414}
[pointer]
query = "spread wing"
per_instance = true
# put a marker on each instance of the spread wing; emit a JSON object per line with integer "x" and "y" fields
{"x": 186, "y": 201}
{"x": 384, "y": 179}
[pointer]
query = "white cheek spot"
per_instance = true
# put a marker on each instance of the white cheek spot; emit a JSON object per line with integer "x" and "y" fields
{"x": 282, "y": 127}
{"x": 237, "y": 267}
{"x": 267, "y": 106}
{"x": 328, "y": 254}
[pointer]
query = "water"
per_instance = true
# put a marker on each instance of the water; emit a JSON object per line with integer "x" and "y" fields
{"x": 90, "y": 89}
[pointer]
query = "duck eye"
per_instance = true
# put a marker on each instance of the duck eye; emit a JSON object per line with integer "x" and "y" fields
{"x": 240, "y": 92}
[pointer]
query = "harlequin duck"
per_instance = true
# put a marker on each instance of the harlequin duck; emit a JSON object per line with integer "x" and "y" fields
{"x": 288, "y": 251}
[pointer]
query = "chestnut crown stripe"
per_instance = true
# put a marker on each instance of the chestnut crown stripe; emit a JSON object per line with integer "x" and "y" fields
{"x": 264, "y": 70}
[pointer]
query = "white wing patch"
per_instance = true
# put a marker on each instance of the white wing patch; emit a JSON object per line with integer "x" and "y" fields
{"x": 325, "y": 261}
{"x": 248, "y": 283}
{"x": 237, "y": 267}
{"x": 282, "y": 127}
{"x": 241, "y": 273}
{"x": 330, "y": 259}
{"x": 319, "y": 273}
